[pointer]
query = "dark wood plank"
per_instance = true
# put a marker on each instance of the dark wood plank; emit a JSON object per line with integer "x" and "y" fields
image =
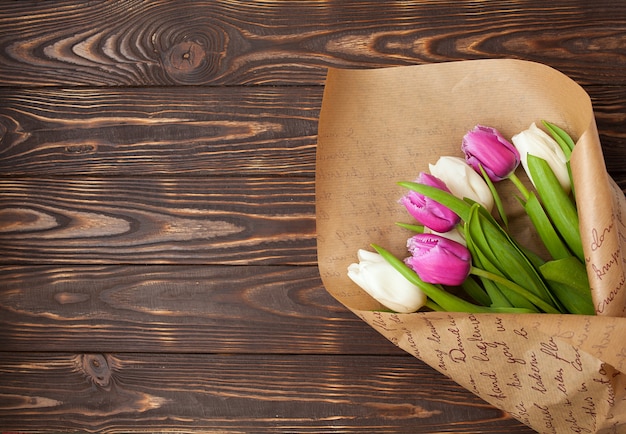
{"x": 193, "y": 131}
{"x": 292, "y": 42}
{"x": 609, "y": 105}
{"x": 185, "y": 309}
{"x": 174, "y": 131}
{"x": 149, "y": 392}
{"x": 158, "y": 220}
{"x": 130, "y": 139}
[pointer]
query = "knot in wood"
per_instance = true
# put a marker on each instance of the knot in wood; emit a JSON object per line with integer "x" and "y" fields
{"x": 195, "y": 59}
{"x": 97, "y": 368}
{"x": 79, "y": 149}
{"x": 187, "y": 56}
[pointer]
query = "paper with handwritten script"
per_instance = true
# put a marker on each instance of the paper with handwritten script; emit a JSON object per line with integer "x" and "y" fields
{"x": 556, "y": 373}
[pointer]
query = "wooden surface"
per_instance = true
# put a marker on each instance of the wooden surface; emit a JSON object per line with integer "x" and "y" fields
{"x": 157, "y": 213}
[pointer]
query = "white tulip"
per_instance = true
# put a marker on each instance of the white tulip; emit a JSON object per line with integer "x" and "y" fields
{"x": 535, "y": 141}
{"x": 384, "y": 283}
{"x": 462, "y": 180}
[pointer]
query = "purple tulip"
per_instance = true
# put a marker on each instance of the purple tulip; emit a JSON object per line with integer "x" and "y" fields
{"x": 428, "y": 212}
{"x": 438, "y": 260}
{"x": 485, "y": 146}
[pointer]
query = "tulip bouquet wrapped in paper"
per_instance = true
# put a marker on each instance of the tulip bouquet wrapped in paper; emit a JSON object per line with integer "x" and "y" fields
{"x": 555, "y": 372}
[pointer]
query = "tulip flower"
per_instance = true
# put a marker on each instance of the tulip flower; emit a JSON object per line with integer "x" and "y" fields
{"x": 535, "y": 141}
{"x": 486, "y": 147}
{"x": 427, "y": 211}
{"x": 462, "y": 180}
{"x": 502, "y": 255}
{"x": 385, "y": 284}
{"x": 438, "y": 260}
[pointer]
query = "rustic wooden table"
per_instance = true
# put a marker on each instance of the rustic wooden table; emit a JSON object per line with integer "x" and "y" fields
{"x": 157, "y": 214}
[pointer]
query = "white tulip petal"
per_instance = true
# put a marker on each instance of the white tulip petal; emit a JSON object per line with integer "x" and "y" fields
{"x": 385, "y": 284}
{"x": 537, "y": 142}
{"x": 462, "y": 180}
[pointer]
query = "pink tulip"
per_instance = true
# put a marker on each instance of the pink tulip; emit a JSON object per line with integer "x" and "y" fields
{"x": 486, "y": 147}
{"x": 438, "y": 260}
{"x": 428, "y": 212}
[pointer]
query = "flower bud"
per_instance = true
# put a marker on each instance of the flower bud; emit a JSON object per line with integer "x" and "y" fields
{"x": 462, "y": 180}
{"x": 428, "y": 212}
{"x": 385, "y": 284}
{"x": 535, "y": 141}
{"x": 486, "y": 147}
{"x": 438, "y": 260}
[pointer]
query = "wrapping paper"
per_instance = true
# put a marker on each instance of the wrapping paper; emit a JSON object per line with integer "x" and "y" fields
{"x": 555, "y": 373}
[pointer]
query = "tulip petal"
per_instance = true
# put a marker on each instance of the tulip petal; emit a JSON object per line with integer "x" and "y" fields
{"x": 462, "y": 180}
{"x": 438, "y": 260}
{"x": 385, "y": 284}
{"x": 535, "y": 141}
{"x": 426, "y": 210}
{"x": 458, "y": 206}
{"x": 486, "y": 147}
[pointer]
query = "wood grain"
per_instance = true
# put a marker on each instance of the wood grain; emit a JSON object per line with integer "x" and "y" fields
{"x": 110, "y": 393}
{"x": 178, "y": 309}
{"x": 158, "y": 220}
{"x": 182, "y": 131}
{"x": 172, "y": 131}
{"x": 157, "y": 208}
{"x": 292, "y": 42}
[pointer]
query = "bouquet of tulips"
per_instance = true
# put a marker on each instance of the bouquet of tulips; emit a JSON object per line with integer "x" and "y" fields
{"x": 459, "y": 243}
{"x": 510, "y": 280}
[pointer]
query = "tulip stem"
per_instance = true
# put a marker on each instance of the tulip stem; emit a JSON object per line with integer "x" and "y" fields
{"x": 520, "y": 186}
{"x": 537, "y": 301}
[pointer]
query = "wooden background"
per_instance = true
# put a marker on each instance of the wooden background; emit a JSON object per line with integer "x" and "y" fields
{"x": 157, "y": 215}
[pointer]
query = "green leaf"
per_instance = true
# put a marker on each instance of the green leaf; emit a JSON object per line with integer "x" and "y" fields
{"x": 497, "y": 299}
{"x": 413, "y": 228}
{"x": 477, "y": 292}
{"x": 514, "y": 264}
{"x": 499, "y": 253}
{"x": 485, "y": 258}
{"x": 551, "y": 239}
{"x": 433, "y": 306}
{"x": 516, "y": 289}
{"x": 566, "y": 144}
{"x": 473, "y": 234}
{"x": 507, "y": 256}
{"x": 513, "y": 310}
{"x": 561, "y": 137}
{"x": 557, "y": 204}
{"x": 568, "y": 280}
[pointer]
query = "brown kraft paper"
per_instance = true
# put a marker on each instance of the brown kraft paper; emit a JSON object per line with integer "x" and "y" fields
{"x": 556, "y": 373}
